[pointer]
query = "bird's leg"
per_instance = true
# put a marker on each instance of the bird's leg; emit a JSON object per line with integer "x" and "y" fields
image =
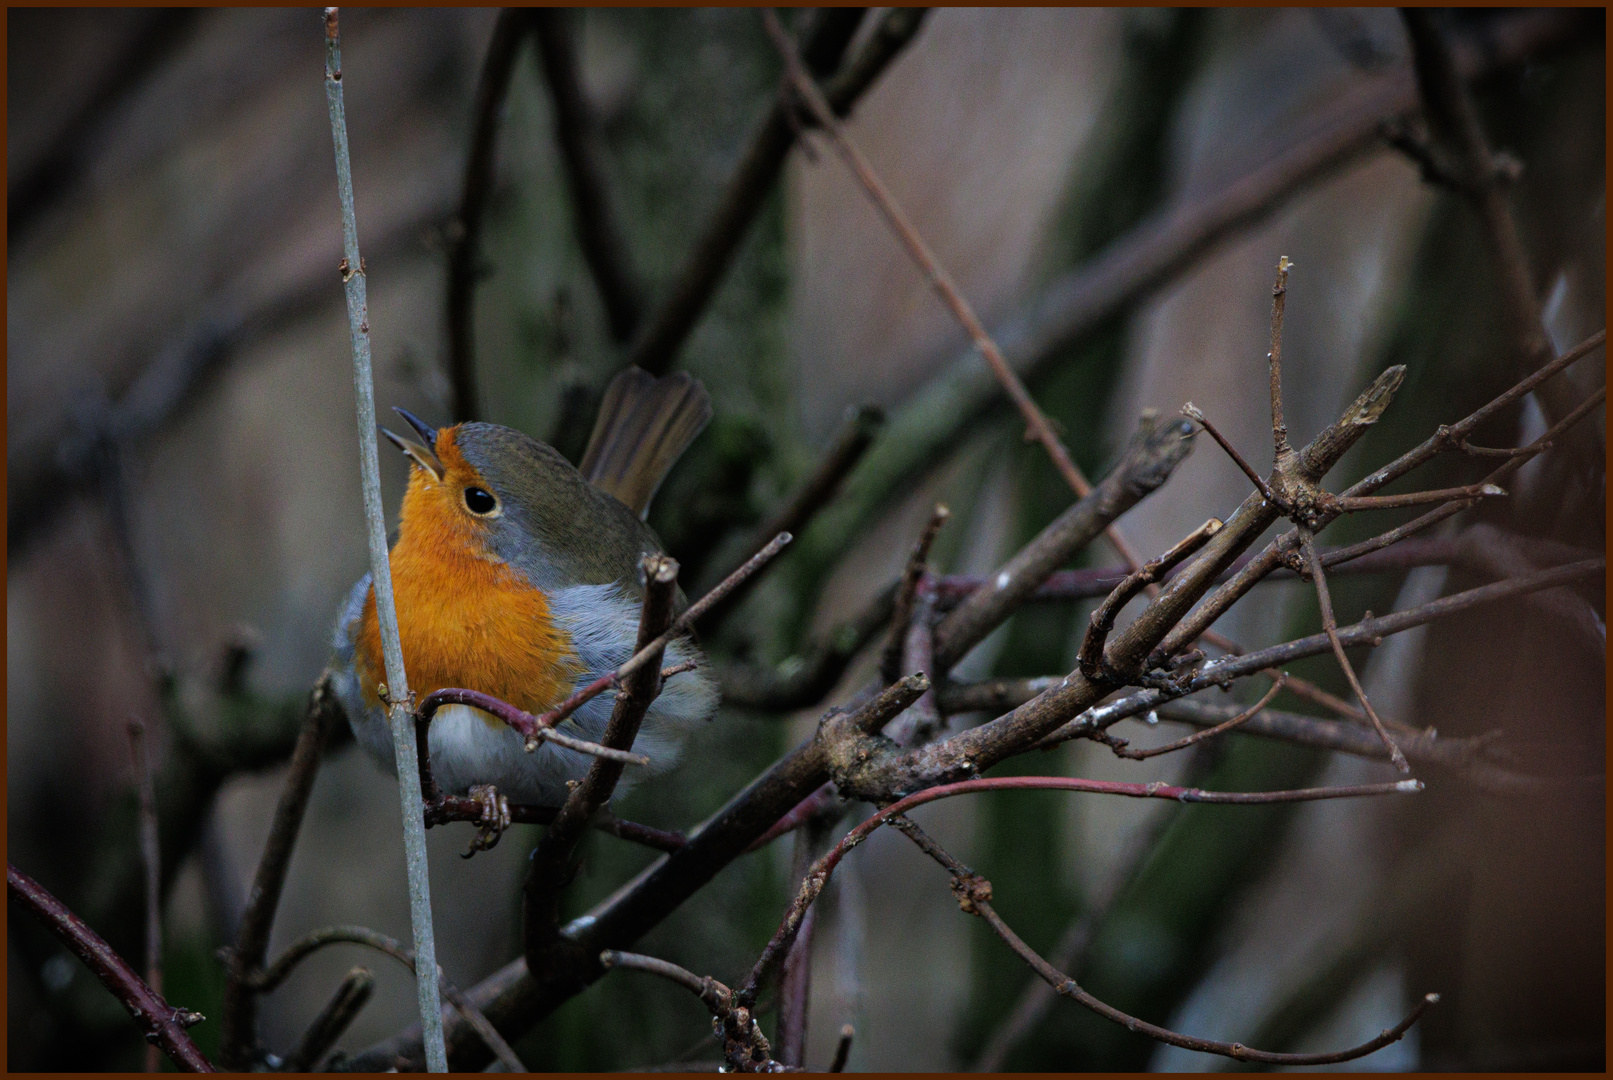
{"x": 495, "y": 818}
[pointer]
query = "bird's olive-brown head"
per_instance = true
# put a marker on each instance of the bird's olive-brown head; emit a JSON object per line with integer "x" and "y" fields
{"x": 502, "y": 496}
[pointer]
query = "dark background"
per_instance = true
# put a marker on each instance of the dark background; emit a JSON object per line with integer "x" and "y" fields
{"x": 173, "y": 237}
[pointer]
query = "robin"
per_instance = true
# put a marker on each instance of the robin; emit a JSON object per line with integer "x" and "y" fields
{"x": 517, "y": 575}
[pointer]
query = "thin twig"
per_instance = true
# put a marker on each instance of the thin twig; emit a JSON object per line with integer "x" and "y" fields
{"x": 151, "y": 858}
{"x": 1368, "y": 631}
{"x": 1036, "y": 423}
{"x": 890, "y": 665}
{"x": 351, "y": 995}
{"x": 464, "y": 250}
{"x": 690, "y": 615}
{"x": 403, "y": 742}
{"x": 745, "y": 1048}
{"x": 1068, "y": 987}
{"x": 818, "y": 877}
{"x": 795, "y": 985}
{"x": 161, "y": 1022}
{"x": 1355, "y": 503}
{"x": 1070, "y": 951}
{"x": 1331, "y": 627}
{"x": 974, "y": 898}
{"x": 1207, "y": 733}
{"x": 1274, "y": 362}
{"x": 520, "y": 720}
{"x": 1193, "y": 412}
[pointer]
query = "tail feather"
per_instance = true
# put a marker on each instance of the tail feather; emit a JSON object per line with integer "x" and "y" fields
{"x": 644, "y": 425}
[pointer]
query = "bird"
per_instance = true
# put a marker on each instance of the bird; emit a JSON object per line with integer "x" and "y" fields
{"x": 518, "y": 575}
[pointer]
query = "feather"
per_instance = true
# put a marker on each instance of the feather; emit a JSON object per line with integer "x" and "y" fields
{"x": 644, "y": 425}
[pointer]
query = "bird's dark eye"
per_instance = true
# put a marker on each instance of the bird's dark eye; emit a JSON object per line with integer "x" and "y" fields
{"x": 479, "y": 501}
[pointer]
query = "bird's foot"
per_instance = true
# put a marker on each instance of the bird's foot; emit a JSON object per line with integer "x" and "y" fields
{"x": 495, "y": 818}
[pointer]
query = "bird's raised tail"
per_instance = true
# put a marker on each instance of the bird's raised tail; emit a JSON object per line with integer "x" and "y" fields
{"x": 644, "y": 425}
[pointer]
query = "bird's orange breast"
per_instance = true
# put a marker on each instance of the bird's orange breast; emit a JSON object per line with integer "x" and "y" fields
{"x": 465, "y": 619}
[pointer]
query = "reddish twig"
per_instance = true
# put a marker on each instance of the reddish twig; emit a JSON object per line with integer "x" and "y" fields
{"x": 162, "y": 1024}
{"x": 818, "y": 877}
{"x": 524, "y": 722}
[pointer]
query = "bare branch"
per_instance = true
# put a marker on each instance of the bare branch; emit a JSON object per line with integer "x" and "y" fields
{"x": 1368, "y": 631}
{"x": 277, "y": 972}
{"x": 1068, "y": 987}
{"x": 1036, "y": 424}
{"x": 238, "y": 1039}
{"x": 1153, "y": 454}
{"x": 162, "y": 1024}
{"x": 843, "y": 1049}
{"x": 338, "y": 1014}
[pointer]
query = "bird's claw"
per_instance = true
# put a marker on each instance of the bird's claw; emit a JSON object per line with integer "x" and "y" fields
{"x": 495, "y": 818}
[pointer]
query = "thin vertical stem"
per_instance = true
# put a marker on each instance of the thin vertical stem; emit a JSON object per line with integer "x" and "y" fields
{"x": 397, "y": 692}
{"x": 1279, "y": 294}
{"x": 150, "y": 856}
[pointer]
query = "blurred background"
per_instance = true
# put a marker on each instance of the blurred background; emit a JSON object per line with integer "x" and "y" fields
{"x": 183, "y": 512}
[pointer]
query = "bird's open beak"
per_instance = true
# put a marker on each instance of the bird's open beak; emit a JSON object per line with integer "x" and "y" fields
{"x": 423, "y": 455}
